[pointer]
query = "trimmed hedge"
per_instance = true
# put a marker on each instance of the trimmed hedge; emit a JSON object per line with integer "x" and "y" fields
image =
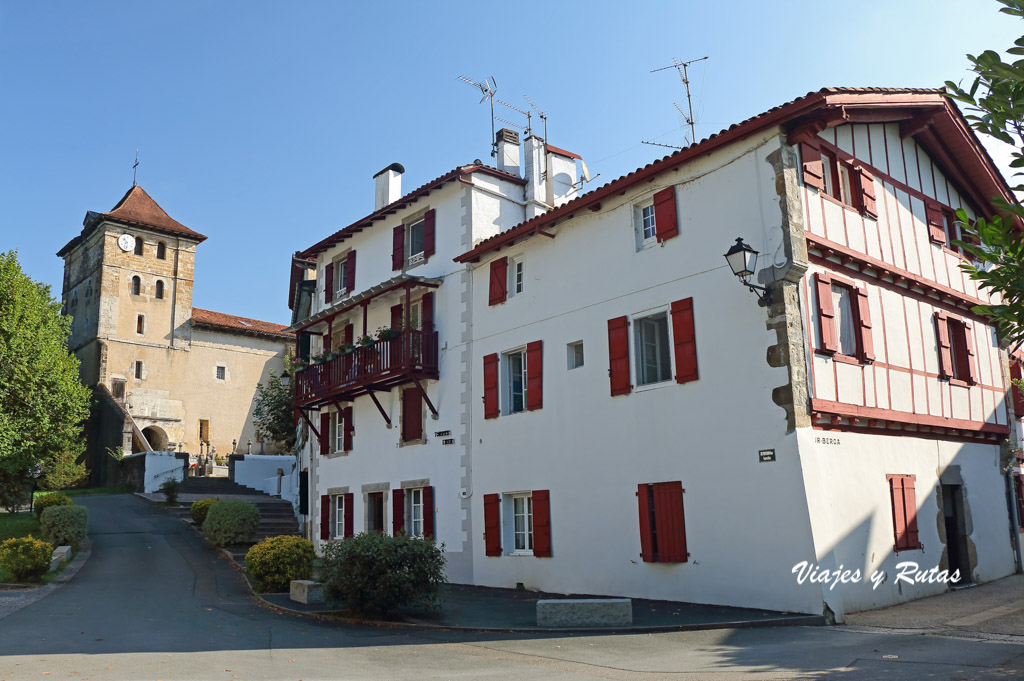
{"x": 378, "y": 574}
{"x": 47, "y": 501}
{"x": 232, "y": 521}
{"x": 64, "y": 525}
{"x": 26, "y": 557}
{"x": 276, "y": 561}
{"x": 200, "y": 508}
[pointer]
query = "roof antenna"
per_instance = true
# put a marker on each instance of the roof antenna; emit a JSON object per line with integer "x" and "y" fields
{"x": 684, "y": 76}
{"x": 543, "y": 116}
{"x": 659, "y": 144}
{"x": 135, "y": 166}
{"x": 527, "y": 131}
{"x": 488, "y": 87}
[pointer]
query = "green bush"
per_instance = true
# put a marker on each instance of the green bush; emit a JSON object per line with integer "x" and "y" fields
{"x": 375, "y": 573}
{"x": 231, "y": 522}
{"x": 25, "y": 557}
{"x": 201, "y": 508}
{"x": 170, "y": 488}
{"x": 48, "y": 501}
{"x": 276, "y": 561}
{"x": 64, "y": 525}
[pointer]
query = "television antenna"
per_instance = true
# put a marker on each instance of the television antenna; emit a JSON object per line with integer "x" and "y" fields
{"x": 488, "y": 87}
{"x": 526, "y": 129}
{"x": 543, "y": 116}
{"x": 684, "y": 76}
{"x": 659, "y": 144}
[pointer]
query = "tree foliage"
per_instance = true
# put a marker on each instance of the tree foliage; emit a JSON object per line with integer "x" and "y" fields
{"x": 42, "y": 401}
{"x": 995, "y": 107}
{"x": 273, "y": 411}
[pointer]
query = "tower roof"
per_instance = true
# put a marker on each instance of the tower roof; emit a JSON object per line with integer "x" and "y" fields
{"x": 137, "y": 209}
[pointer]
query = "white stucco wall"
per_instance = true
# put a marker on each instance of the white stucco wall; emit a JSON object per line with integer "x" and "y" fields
{"x": 260, "y": 472}
{"x": 160, "y": 466}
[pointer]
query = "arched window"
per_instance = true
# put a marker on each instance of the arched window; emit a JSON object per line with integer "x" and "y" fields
{"x": 138, "y": 245}
{"x": 140, "y": 324}
{"x": 159, "y": 289}
{"x": 136, "y": 286}
{"x": 161, "y": 251}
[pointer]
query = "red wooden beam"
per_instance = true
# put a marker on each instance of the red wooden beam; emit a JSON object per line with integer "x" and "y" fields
{"x": 383, "y": 413}
{"x": 311, "y": 426}
{"x": 426, "y": 399}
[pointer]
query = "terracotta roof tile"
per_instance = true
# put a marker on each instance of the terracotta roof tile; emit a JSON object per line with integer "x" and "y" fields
{"x": 234, "y": 324}
{"x": 139, "y": 207}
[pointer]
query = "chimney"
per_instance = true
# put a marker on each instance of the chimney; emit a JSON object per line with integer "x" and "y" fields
{"x": 508, "y": 150}
{"x": 535, "y": 174}
{"x": 388, "y": 186}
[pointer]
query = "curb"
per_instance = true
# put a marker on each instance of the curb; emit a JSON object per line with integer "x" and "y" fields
{"x": 13, "y": 600}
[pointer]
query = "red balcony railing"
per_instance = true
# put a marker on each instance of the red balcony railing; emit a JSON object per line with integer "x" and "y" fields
{"x": 385, "y": 363}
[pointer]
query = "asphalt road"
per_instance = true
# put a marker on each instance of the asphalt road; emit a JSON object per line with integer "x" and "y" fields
{"x": 154, "y": 603}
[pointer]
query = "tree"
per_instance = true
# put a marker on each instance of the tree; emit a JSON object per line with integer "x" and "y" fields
{"x": 274, "y": 411}
{"x": 42, "y": 401}
{"x": 995, "y": 105}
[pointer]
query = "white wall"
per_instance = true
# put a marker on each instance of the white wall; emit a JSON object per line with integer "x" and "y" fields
{"x": 260, "y": 472}
{"x": 160, "y": 466}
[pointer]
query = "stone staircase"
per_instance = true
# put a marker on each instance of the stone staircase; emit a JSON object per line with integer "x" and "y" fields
{"x": 276, "y": 515}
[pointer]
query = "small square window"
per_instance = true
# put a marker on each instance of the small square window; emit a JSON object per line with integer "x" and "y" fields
{"x": 515, "y": 381}
{"x": 575, "y": 353}
{"x": 653, "y": 359}
{"x": 222, "y": 373}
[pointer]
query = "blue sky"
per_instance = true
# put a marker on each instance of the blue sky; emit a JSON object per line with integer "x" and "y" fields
{"x": 260, "y": 124}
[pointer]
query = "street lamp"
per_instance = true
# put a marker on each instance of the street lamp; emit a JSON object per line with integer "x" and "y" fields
{"x": 742, "y": 261}
{"x": 286, "y": 379}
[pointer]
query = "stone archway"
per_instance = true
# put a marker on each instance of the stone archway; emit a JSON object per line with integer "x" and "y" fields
{"x": 156, "y": 437}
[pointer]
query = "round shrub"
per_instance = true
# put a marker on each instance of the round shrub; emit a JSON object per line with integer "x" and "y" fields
{"x": 64, "y": 525}
{"x": 25, "y": 557}
{"x": 276, "y": 561}
{"x": 375, "y": 573}
{"x": 231, "y": 522}
{"x": 200, "y": 509}
{"x": 49, "y": 500}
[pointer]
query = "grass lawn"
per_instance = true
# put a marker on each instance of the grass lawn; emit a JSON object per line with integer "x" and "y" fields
{"x": 18, "y": 525}
{"x": 123, "y": 489}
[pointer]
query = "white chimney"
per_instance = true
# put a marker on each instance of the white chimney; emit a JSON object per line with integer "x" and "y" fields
{"x": 535, "y": 174}
{"x": 508, "y": 150}
{"x": 388, "y": 186}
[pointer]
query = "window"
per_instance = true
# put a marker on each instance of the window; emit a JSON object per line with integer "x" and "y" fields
{"x": 648, "y": 233}
{"x": 337, "y": 431}
{"x": 655, "y": 219}
{"x": 845, "y": 322}
{"x": 138, "y": 245}
{"x": 836, "y": 175}
{"x": 159, "y": 289}
{"x": 161, "y": 251}
{"x": 956, "y": 348}
{"x": 414, "y": 512}
{"x": 136, "y": 286}
{"x": 138, "y": 369}
{"x": 575, "y": 353}
{"x": 832, "y": 173}
{"x": 339, "y": 516}
{"x": 117, "y": 388}
{"x": 375, "y": 512}
{"x": 662, "y": 522}
{"x": 951, "y": 230}
{"x": 844, "y": 318}
{"x": 904, "y": 512}
{"x": 222, "y": 373}
{"x": 515, "y": 381}
{"x": 498, "y": 283}
{"x": 522, "y": 523}
{"x": 414, "y": 247}
{"x": 515, "y": 276}
{"x": 140, "y": 324}
{"x": 204, "y": 431}
{"x": 653, "y": 364}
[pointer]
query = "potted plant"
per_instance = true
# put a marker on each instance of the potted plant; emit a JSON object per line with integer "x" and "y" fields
{"x": 386, "y": 333}
{"x": 345, "y": 349}
{"x": 366, "y": 341}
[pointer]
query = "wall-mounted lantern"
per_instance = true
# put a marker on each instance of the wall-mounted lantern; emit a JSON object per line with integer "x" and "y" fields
{"x": 742, "y": 261}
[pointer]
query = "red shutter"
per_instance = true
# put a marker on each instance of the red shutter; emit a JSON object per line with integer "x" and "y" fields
{"x": 397, "y": 313}
{"x": 325, "y": 517}
{"x": 1018, "y": 397}
{"x": 325, "y": 433}
{"x": 349, "y": 503}
{"x": 936, "y": 229}
{"x": 491, "y": 386}
{"x": 329, "y": 282}
{"x": 685, "y": 339}
{"x": 347, "y": 334}
{"x": 945, "y": 352}
{"x": 904, "y": 512}
{"x": 499, "y": 281}
{"x": 428, "y": 234}
{"x": 868, "y": 205}
{"x": 541, "y": 523}
{"x": 412, "y": 415}
{"x": 899, "y": 520}
{"x": 814, "y": 174}
{"x": 669, "y": 522}
{"x": 826, "y": 314}
{"x": 428, "y": 511}
{"x": 534, "y": 375}
{"x": 972, "y": 359}
{"x": 867, "y": 345}
{"x": 665, "y": 220}
{"x": 397, "y": 511}
{"x": 349, "y": 428}
{"x": 350, "y": 272}
{"x": 492, "y": 525}
{"x": 427, "y": 312}
{"x": 910, "y": 512}
{"x": 618, "y": 356}
{"x": 643, "y": 492}
{"x": 398, "y": 247}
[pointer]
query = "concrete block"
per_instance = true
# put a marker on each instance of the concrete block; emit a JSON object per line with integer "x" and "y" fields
{"x": 54, "y": 563}
{"x": 307, "y": 591}
{"x": 585, "y": 612}
{"x": 62, "y": 552}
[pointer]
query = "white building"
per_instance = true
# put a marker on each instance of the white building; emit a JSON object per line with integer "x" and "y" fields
{"x": 623, "y": 417}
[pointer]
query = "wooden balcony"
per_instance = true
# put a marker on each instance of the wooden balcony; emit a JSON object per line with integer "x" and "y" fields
{"x": 380, "y": 366}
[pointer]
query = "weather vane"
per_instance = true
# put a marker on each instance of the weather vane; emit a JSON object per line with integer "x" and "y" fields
{"x": 135, "y": 166}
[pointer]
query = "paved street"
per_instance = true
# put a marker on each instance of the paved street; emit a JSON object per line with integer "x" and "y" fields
{"x": 153, "y": 603}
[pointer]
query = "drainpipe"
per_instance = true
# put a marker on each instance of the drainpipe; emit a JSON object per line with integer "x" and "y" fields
{"x": 1015, "y": 522}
